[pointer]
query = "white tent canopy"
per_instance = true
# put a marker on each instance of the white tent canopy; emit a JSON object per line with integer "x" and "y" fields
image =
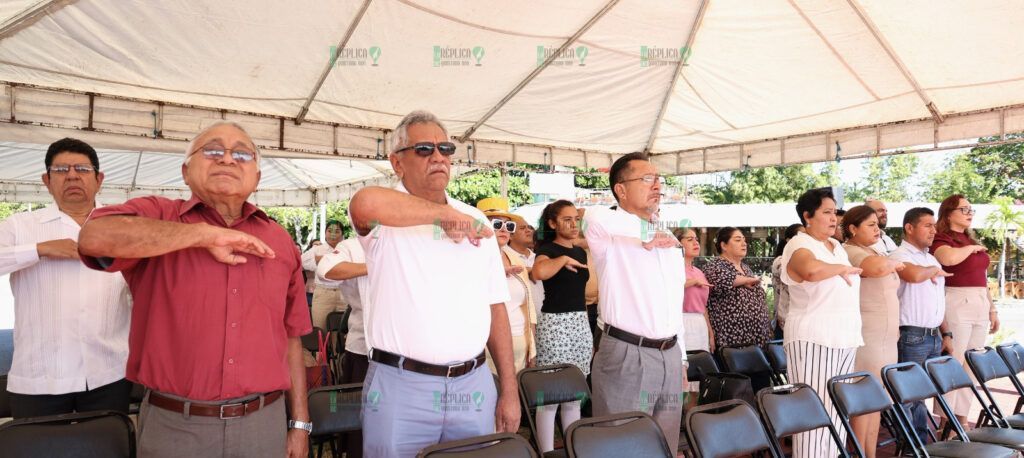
{"x": 705, "y": 85}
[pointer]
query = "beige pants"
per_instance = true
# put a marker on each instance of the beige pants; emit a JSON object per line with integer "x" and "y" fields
{"x": 163, "y": 433}
{"x": 518, "y": 352}
{"x": 967, "y": 318}
{"x": 325, "y": 301}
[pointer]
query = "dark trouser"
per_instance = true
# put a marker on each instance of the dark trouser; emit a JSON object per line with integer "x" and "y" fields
{"x": 112, "y": 396}
{"x": 353, "y": 370}
{"x": 916, "y": 346}
{"x": 592, "y": 320}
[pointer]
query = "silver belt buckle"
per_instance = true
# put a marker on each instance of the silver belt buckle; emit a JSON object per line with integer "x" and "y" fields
{"x": 453, "y": 366}
{"x": 222, "y": 406}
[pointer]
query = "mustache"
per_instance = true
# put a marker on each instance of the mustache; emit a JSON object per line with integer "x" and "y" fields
{"x": 437, "y": 168}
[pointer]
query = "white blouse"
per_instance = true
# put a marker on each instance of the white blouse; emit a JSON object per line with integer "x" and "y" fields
{"x": 825, "y": 312}
{"x": 517, "y": 293}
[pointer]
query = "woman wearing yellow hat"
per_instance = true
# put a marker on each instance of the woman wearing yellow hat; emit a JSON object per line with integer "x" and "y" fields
{"x": 522, "y": 317}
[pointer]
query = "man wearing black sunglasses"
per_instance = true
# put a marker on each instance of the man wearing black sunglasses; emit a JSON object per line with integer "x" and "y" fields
{"x": 426, "y": 322}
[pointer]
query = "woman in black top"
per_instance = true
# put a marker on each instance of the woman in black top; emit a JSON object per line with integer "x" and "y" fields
{"x": 563, "y": 332}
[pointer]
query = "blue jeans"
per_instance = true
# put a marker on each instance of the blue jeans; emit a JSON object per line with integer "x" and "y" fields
{"x": 916, "y": 346}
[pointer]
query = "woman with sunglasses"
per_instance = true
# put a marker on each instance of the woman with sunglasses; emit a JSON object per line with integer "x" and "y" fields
{"x": 522, "y": 318}
{"x": 563, "y": 333}
{"x": 970, "y": 313}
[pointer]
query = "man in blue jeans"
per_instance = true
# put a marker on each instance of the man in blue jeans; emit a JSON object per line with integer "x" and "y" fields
{"x": 922, "y": 301}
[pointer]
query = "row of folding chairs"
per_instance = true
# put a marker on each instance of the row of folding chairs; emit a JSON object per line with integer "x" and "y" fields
{"x": 732, "y": 428}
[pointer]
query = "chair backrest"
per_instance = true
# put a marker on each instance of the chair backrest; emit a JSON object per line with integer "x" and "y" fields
{"x": 335, "y": 322}
{"x": 726, "y": 429}
{"x": 908, "y": 382}
{"x": 555, "y": 384}
{"x": 615, "y": 436}
{"x": 853, "y": 398}
{"x": 86, "y": 434}
{"x": 792, "y": 409}
{"x": 747, "y": 360}
{"x": 701, "y": 362}
{"x": 504, "y": 445}
{"x": 335, "y": 409}
{"x": 1013, "y": 355}
{"x": 986, "y": 364}
{"x": 311, "y": 341}
{"x": 5, "y": 399}
{"x": 947, "y": 374}
{"x": 776, "y": 356}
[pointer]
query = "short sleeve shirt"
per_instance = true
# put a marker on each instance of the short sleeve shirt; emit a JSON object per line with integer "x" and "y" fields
{"x": 971, "y": 271}
{"x": 565, "y": 291}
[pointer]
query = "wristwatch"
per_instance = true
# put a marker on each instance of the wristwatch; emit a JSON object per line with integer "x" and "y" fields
{"x": 303, "y": 425}
{"x": 947, "y": 334}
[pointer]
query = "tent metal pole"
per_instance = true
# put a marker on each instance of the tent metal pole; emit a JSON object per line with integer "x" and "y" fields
{"x": 928, "y": 103}
{"x": 323, "y": 221}
{"x": 330, "y": 62}
{"x": 519, "y": 87}
{"x": 697, "y": 20}
{"x": 30, "y": 15}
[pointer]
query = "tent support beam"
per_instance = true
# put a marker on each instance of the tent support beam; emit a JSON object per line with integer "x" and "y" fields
{"x": 697, "y": 20}
{"x": 330, "y": 62}
{"x": 519, "y": 87}
{"x": 30, "y": 15}
{"x": 928, "y": 103}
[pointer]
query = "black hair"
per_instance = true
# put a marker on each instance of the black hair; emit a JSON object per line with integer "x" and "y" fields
{"x": 723, "y": 236}
{"x": 840, "y": 212}
{"x": 810, "y": 201}
{"x": 789, "y": 233}
{"x": 544, "y": 233}
{"x": 619, "y": 168}
{"x": 71, "y": 145}
{"x": 914, "y": 215}
{"x": 334, "y": 222}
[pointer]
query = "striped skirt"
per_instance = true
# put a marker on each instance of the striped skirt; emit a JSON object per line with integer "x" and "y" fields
{"x": 814, "y": 364}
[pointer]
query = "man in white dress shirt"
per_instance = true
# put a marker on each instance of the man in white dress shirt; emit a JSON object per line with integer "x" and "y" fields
{"x": 885, "y": 244}
{"x": 70, "y": 322}
{"x": 639, "y": 365}
{"x": 436, "y": 297}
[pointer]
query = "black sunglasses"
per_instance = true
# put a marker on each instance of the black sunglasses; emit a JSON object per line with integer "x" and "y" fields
{"x": 510, "y": 226}
{"x": 425, "y": 149}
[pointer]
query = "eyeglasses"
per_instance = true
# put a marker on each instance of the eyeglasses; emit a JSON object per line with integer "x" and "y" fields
{"x": 647, "y": 179}
{"x": 966, "y": 210}
{"x": 497, "y": 224}
{"x": 63, "y": 169}
{"x": 217, "y": 152}
{"x": 424, "y": 149}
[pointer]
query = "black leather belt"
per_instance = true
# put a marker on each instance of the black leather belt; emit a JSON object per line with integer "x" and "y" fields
{"x": 629, "y": 337}
{"x": 922, "y": 331}
{"x": 409, "y": 364}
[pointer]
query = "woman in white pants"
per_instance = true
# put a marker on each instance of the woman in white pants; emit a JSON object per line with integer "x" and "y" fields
{"x": 823, "y": 327}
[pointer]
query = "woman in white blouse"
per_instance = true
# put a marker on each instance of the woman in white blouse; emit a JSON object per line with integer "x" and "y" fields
{"x": 823, "y": 328}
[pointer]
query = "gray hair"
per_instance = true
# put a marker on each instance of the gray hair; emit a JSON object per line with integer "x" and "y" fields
{"x": 192, "y": 143}
{"x": 400, "y": 135}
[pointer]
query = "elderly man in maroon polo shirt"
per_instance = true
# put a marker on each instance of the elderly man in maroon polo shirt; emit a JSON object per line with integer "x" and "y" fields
{"x": 219, "y": 305}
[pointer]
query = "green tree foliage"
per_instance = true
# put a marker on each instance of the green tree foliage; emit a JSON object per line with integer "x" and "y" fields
{"x": 481, "y": 184}
{"x": 298, "y": 221}
{"x": 768, "y": 184}
{"x": 10, "y": 208}
{"x": 886, "y": 179}
{"x": 982, "y": 174}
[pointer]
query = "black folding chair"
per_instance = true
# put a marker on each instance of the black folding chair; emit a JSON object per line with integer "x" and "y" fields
{"x": 134, "y": 398}
{"x": 859, "y": 394}
{"x": 1013, "y": 355}
{"x": 337, "y": 325}
{"x": 793, "y": 409}
{"x": 908, "y": 382}
{"x": 777, "y": 359}
{"x": 615, "y": 436}
{"x": 748, "y": 360}
{"x": 334, "y": 410}
{"x": 549, "y": 385}
{"x": 311, "y": 341}
{"x": 5, "y": 398}
{"x": 700, "y": 363}
{"x": 726, "y": 429}
{"x": 949, "y": 375}
{"x": 75, "y": 435}
{"x": 504, "y": 445}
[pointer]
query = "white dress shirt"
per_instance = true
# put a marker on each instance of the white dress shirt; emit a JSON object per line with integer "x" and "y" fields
{"x": 429, "y": 298}
{"x": 309, "y": 263}
{"x": 885, "y": 244}
{"x": 921, "y": 304}
{"x": 641, "y": 290}
{"x": 825, "y": 312}
{"x": 352, "y": 290}
{"x": 70, "y": 322}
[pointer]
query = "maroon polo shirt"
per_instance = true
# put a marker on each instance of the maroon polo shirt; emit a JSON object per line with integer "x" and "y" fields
{"x": 202, "y": 329}
{"x": 972, "y": 271}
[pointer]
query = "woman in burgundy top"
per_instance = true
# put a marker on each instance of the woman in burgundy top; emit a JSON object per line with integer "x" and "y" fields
{"x": 970, "y": 313}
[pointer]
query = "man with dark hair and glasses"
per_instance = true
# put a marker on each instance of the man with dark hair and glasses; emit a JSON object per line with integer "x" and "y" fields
{"x": 219, "y": 308}
{"x": 641, "y": 273}
{"x": 436, "y": 298}
{"x": 72, "y": 322}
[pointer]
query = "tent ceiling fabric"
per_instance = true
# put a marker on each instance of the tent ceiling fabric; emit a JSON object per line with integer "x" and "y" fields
{"x": 771, "y": 82}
